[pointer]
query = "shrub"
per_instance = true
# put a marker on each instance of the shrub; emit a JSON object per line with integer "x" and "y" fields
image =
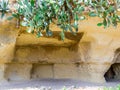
{"x": 37, "y": 15}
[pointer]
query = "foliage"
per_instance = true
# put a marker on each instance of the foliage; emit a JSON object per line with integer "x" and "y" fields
{"x": 107, "y": 11}
{"x": 37, "y": 15}
{"x": 112, "y": 88}
{"x": 4, "y": 7}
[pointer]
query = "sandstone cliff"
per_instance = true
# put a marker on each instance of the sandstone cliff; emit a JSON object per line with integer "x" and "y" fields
{"x": 86, "y": 56}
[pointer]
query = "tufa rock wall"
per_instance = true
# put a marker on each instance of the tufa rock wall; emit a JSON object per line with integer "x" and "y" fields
{"x": 86, "y": 56}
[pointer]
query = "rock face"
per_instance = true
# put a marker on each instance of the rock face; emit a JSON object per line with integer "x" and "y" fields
{"x": 86, "y": 56}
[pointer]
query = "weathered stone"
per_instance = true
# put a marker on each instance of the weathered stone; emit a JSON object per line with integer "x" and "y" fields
{"x": 42, "y": 71}
{"x": 30, "y": 39}
{"x": 93, "y": 51}
{"x": 8, "y": 36}
{"x": 92, "y": 72}
{"x": 2, "y": 72}
{"x": 16, "y": 71}
{"x": 7, "y": 52}
{"x": 65, "y": 71}
{"x": 46, "y": 54}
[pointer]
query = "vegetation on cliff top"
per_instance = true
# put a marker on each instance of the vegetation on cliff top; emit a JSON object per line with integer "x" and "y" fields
{"x": 37, "y": 15}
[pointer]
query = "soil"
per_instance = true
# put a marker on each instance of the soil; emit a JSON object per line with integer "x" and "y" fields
{"x": 50, "y": 84}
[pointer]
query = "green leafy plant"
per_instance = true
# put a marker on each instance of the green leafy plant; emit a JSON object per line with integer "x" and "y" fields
{"x": 37, "y": 15}
{"x": 107, "y": 11}
{"x": 4, "y": 7}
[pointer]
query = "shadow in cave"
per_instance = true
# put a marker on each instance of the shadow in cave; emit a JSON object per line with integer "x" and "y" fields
{"x": 113, "y": 74}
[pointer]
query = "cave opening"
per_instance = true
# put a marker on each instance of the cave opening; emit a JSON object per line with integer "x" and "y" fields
{"x": 113, "y": 74}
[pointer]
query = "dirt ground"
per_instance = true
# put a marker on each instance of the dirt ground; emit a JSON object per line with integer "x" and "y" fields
{"x": 50, "y": 84}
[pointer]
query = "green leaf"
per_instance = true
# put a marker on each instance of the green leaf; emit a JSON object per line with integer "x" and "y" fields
{"x": 32, "y": 2}
{"x": 76, "y": 17}
{"x": 105, "y": 14}
{"x": 39, "y": 34}
{"x": 105, "y": 23}
{"x": 49, "y": 33}
{"x": 75, "y": 25}
{"x": 62, "y": 35}
{"x": 92, "y": 14}
{"x": 81, "y": 9}
{"x": 99, "y": 24}
{"x": 111, "y": 9}
{"x": 4, "y": 7}
{"x": 15, "y": 15}
{"x": 2, "y": 15}
{"x": 70, "y": 28}
{"x": 10, "y": 18}
{"x": 24, "y": 23}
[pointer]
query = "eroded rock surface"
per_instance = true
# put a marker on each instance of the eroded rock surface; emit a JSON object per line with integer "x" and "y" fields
{"x": 86, "y": 56}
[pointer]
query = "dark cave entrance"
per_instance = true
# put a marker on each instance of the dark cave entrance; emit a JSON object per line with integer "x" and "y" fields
{"x": 113, "y": 74}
